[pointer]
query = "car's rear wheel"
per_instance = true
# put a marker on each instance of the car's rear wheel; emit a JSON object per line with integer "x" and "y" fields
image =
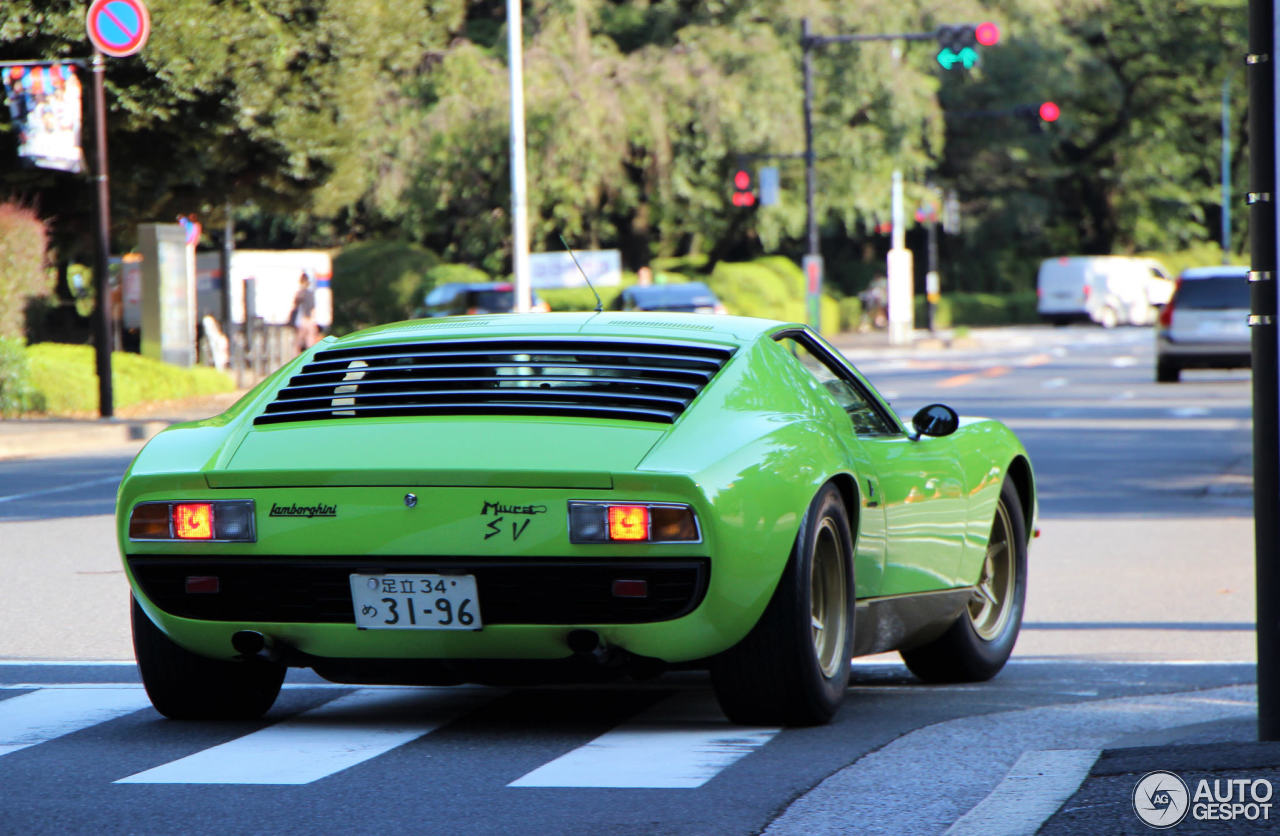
{"x": 978, "y": 644}
{"x": 186, "y": 686}
{"x": 1167, "y": 372}
{"x": 793, "y": 667}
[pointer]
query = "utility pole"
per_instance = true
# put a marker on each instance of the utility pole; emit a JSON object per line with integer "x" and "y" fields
{"x": 519, "y": 200}
{"x": 102, "y": 250}
{"x": 1264, "y": 187}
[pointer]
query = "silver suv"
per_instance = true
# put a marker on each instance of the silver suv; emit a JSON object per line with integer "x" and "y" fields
{"x": 1205, "y": 324}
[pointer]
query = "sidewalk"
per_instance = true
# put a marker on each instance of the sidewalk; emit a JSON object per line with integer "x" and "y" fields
{"x": 28, "y": 437}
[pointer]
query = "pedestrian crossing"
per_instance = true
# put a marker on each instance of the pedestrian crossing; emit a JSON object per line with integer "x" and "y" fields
{"x": 680, "y": 742}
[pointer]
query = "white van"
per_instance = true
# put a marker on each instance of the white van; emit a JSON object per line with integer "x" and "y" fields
{"x": 1110, "y": 290}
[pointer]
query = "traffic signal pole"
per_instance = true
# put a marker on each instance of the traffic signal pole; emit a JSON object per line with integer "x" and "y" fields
{"x": 986, "y": 34}
{"x": 1262, "y": 68}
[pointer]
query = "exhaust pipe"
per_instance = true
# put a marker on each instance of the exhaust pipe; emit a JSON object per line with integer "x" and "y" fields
{"x": 586, "y": 643}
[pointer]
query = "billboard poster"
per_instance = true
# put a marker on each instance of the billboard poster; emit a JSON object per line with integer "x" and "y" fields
{"x": 44, "y": 104}
{"x": 552, "y": 270}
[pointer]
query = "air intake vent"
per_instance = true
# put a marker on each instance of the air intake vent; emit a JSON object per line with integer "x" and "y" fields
{"x": 594, "y": 378}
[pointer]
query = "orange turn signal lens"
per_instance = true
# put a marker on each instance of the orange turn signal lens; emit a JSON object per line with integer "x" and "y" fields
{"x": 193, "y": 521}
{"x": 628, "y": 522}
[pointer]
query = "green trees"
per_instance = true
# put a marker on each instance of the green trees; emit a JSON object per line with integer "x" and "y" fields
{"x": 326, "y": 122}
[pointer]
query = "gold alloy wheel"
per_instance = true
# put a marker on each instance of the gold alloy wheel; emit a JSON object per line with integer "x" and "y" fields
{"x": 828, "y": 599}
{"x": 992, "y": 601}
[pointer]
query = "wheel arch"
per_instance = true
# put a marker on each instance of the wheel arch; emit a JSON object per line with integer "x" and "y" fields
{"x": 1019, "y": 471}
{"x": 848, "y": 487}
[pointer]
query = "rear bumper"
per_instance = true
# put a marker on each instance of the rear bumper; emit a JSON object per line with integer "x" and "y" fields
{"x": 1205, "y": 355}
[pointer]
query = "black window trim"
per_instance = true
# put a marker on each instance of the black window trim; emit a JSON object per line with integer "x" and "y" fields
{"x": 840, "y": 368}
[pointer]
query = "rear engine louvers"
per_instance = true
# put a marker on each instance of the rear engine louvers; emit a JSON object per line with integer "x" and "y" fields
{"x": 567, "y": 377}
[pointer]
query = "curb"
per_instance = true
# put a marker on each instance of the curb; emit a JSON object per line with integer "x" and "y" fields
{"x": 43, "y": 438}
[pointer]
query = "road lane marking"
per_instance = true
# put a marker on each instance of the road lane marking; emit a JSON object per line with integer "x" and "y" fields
{"x": 964, "y": 379}
{"x": 1062, "y": 421}
{"x": 680, "y": 743}
{"x": 40, "y": 716}
{"x": 315, "y": 744}
{"x": 1030, "y": 793}
{"x": 46, "y": 491}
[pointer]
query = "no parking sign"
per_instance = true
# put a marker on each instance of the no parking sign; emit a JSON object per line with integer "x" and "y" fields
{"x": 118, "y": 27}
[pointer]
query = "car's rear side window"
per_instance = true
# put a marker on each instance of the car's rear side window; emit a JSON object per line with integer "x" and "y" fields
{"x": 1216, "y": 292}
{"x": 866, "y": 419}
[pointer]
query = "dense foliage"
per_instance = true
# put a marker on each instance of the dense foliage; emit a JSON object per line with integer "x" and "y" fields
{"x": 24, "y": 274}
{"x": 324, "y": 122}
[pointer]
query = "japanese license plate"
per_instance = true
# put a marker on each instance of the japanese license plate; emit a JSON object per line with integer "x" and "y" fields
{"x": 416, "y": 602}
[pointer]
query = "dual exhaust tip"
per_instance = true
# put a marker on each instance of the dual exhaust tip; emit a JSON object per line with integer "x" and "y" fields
{"x": 253, "y": 645}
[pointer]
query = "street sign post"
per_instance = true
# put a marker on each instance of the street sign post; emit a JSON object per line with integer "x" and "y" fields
{"x": 118, "y": 28}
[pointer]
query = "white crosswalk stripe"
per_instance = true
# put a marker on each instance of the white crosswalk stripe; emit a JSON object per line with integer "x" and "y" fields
{"x": 317, "y": 743}
{"x": 680, "y": 743}
{"x": 48, "y": 713}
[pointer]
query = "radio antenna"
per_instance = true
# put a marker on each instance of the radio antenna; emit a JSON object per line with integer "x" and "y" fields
{"x": 599, "y": 304}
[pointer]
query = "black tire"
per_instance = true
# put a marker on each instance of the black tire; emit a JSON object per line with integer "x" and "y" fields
{"x": 185, "y": 686}
{"x": 787, "y": 670}
{"x": 1167, "y": 372}
{"x": 977, "y": 645}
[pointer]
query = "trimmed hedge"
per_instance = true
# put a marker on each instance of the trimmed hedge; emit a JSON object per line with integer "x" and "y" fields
{"x": 65, "y": 379}
{"x": 375, "y": 282}
{"x": 17, "y": 395}
{"x": 772, "y": 287}
{"x": 979, "y": 309}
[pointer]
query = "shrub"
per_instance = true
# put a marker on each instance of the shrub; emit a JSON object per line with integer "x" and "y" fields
{"x": 375, "y": 282}
{"x": 64, "y": 377}
{"x": 980, "y": 309}
{"x": 16, "y": 392}
{"x": 23, "y": 265}
{"x": 578, "y": 298}
{"x": 750, "y": 289}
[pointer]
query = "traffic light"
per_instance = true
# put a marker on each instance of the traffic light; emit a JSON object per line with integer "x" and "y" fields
{"x": 958, "y": 42}
{"x": 1037, "y": 113}
{"x": 743, "y": 189}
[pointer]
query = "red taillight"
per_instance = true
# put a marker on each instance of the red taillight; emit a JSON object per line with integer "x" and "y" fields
{"x": 193, "y": 521}
{"x": 628, "y": 522}
{"x": 1166, "y": 313}
{"x": 1087, "y": 291}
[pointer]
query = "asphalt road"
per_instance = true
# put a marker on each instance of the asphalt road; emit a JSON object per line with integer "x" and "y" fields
{"x": 1139, "y": 622}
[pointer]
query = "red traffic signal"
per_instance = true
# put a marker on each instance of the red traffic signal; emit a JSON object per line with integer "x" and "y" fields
{"x": 987, "y": 34}
{"x": 1050, "y": 112}
{"x": 743, "y": 195}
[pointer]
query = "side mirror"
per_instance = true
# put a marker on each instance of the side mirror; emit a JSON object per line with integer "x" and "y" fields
{"x": 936, "y": 420}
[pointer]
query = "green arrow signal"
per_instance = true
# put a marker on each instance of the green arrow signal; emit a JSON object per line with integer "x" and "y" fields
{"x": 967, "y": 57}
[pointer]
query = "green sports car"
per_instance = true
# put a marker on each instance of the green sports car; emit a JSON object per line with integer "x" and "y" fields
{"x": 572, "y": 497}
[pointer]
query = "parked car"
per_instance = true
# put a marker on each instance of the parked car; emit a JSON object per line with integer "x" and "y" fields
{"x": 464, "y": 298}
{"x": 579, "y": 497}
{"x": 1205, "y": 324}
{"x": 1109, "y": 290}
{"x": 688, "y": 297}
